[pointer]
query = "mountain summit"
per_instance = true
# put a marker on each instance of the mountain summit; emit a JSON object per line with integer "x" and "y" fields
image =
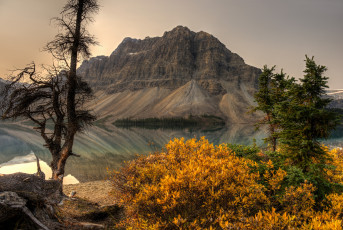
{"x": 178, "y": 74}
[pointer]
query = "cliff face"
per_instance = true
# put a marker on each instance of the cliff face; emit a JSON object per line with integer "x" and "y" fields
{"x": 178, "y": 64}
{"x": 2, "y": 86}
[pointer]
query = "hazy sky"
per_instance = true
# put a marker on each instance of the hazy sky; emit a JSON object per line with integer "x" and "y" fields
{"x": 272, "y": 32}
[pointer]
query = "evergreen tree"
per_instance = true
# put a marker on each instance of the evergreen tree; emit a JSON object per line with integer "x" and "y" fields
{"x": 304, "y": 120}
{"x": 272, "y": 88}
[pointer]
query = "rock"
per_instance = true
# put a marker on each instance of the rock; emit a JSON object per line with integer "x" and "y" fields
{"x": 72, "y": 194}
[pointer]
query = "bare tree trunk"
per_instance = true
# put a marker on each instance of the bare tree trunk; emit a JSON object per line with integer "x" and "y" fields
{"x": 57, "y": 170}
{"x": 59, "y": 161}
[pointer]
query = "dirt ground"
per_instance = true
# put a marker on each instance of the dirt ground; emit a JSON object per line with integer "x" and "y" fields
{"x": 94, "y": 191}
{"x": 91, "y": 208}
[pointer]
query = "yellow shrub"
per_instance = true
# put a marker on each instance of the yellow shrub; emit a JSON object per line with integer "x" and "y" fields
{"x": 273, "y": 177}
{"x": 336, "y": 174}
{"x": 269, "y": 221}
{"x": 192, "y": 184}
{"x": 195, "y": 185}
{"x": 299, "y": 201}
{"x": 335, "y": 207}
{"x": 331, "y": 217}
{"x": 323, "y": 221}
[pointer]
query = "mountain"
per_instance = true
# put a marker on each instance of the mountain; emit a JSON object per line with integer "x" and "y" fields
{"x": 178, "y": 74}
{"x": 2, "y": 84}
{"x": 337, "y": 98}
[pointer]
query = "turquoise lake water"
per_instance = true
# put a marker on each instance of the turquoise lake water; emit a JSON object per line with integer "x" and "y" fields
{"x": 107, "y": 147}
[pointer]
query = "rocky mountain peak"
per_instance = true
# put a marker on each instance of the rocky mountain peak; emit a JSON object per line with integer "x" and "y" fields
{"x": 181, "y": 73}
{"x": 179, "y": 31}
{"x": 170, "y": 61}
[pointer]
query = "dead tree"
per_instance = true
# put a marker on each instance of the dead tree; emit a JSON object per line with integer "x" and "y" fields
{"x": 54, "y": 98}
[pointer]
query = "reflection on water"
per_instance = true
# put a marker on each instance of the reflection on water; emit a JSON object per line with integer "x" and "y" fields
{"x": 28, "y": 164}
{"x": 108, "y": 147}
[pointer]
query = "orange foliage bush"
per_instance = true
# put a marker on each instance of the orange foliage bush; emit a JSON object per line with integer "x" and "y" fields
{"x": 195, "y": 185}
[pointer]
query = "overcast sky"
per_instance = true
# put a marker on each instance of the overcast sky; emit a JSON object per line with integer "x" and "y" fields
{"x": 272, "y": 32}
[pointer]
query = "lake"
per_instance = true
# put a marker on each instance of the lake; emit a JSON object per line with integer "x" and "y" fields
{"x": 107, "y": 147}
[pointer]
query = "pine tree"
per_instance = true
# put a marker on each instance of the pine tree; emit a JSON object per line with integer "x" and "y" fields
{"x": 304, "y": 119}
{"x": 297, "y": 116}
{"x": 272, "y": 88}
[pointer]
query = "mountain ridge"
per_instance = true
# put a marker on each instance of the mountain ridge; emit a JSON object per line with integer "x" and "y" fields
{"x": 169, "y": 61}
